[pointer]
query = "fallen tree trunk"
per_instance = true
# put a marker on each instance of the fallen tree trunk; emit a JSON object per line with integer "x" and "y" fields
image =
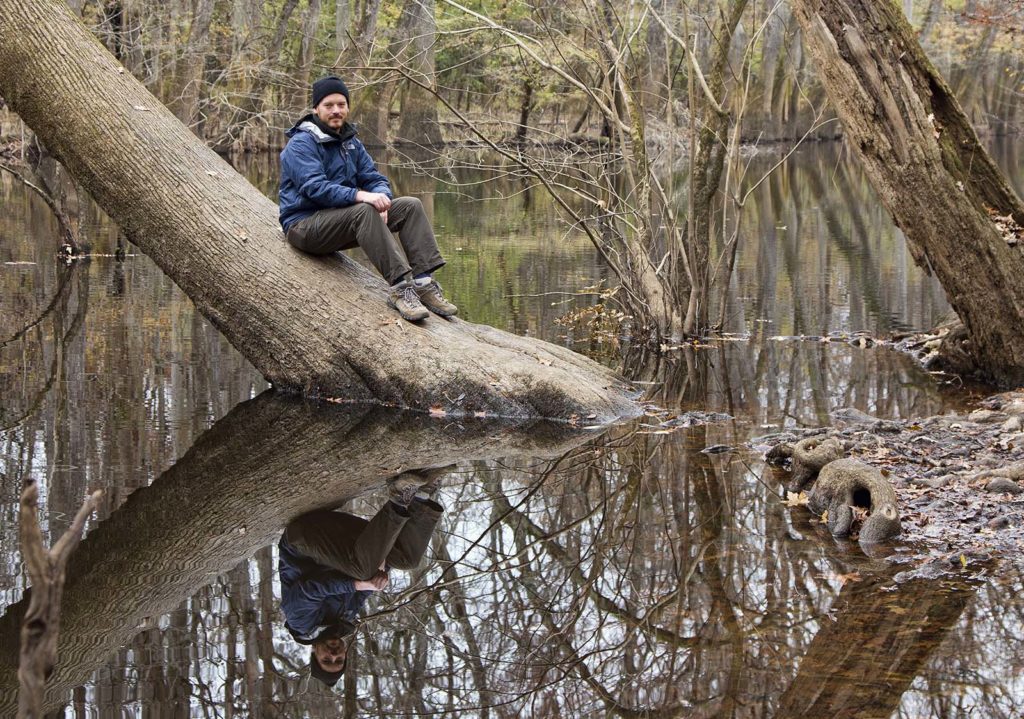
{"x": 929, "y": 168}
{"x": 310, "y": 325}
{"x": 268, "y": 461}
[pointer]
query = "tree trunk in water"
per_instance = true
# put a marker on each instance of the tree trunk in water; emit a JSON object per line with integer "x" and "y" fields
{"x": 927, "y": 165}
{"x": 708, "y": 164}
{"x": 866, "y": 655}
{"x": 342, "y": 12}
{"x": 304, "y": 62}
{"x": 525, "y": 107}
{"x": 188, "y": 72}
{"x": 418, "y": 125}
{"x": 265, "y": 463}
{"x": 373, "y": 101}
{"x": 313, "y": 325}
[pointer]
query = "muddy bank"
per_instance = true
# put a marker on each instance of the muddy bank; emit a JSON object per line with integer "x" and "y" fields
{"x": 959, "y": 478}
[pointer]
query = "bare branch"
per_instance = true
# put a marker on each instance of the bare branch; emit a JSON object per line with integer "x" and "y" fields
{"x": 41, "y": 624}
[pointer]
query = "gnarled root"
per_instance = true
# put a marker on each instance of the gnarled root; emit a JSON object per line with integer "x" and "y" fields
{"x": 848, "y": 483}
{"x": 809, "y": 456}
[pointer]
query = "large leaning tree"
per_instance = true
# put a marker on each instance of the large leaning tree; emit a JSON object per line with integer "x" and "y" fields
{"x": 961, "y": 219}
{"x": 310, "y": 325}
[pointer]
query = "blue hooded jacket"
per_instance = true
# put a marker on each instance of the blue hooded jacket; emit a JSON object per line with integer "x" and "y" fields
{"x": 315, "y": 598}
{"x": 321, "y": 169}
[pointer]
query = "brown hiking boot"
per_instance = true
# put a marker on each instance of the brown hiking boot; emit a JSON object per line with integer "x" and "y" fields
{"x": 402, "y": 488}
{"x": 431, "y": 480}
{"x": 416, "y": 484}
{"x": 404, "y": 298}
{"x": 432, "y": 298}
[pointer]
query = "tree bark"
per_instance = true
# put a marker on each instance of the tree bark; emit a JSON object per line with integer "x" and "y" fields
{"x": 927, "y": 165}
{"x": 268, "y": 461}
{"x": 311, "y": 325}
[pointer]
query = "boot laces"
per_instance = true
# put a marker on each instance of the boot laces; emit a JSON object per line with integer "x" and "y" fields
{"x": 410, "y": 296}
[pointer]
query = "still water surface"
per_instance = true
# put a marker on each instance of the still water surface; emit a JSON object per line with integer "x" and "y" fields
{"x": 627, "y": 573}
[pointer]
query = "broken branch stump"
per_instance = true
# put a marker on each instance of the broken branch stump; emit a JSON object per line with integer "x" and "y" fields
{"x": 41, "y": 625}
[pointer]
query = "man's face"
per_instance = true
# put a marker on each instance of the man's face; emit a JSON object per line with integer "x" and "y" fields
{"x": 330, "y": 653}
{"x": 332, "y": 110}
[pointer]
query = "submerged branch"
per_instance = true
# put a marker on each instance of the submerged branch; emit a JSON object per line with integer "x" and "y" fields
{"x": 67, "y": 230}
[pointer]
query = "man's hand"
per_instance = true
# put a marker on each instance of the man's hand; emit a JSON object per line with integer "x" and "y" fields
{"x": 377, "y": 583}
{"x": 384, "y": 216}
{"x": 378, "y": 200}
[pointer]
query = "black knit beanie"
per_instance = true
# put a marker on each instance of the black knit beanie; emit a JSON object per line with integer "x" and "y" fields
{"x": 328, "y": 86}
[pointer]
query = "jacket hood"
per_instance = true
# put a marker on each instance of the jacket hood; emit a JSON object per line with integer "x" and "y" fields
{"x": 311, "y": 123}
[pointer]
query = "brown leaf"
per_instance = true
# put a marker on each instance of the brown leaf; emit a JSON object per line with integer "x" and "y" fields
{"x": 794, "y": 499}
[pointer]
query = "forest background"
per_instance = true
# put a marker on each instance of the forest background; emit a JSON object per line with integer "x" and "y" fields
{"x": 636, "y": 117}
{"x": 238, "y": 71}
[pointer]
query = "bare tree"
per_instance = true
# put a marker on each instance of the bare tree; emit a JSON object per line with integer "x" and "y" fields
{"x": 961, "y": 218}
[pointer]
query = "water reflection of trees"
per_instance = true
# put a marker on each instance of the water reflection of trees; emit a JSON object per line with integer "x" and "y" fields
{"x": 634, "y": 576}
{"x": 614, "y": 587}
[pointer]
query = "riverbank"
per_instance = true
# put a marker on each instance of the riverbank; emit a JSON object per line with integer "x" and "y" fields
{"x": 959, "y": 478}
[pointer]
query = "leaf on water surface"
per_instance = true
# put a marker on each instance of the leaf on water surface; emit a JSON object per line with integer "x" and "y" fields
{"x": 795, "y": 499}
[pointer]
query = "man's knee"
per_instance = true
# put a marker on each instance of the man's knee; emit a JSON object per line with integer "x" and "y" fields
{"x": 399, "y": 560}
{"x": 407, "y": 204}
{"x": 362, "y": 570}
{"x": 365, "y": 213}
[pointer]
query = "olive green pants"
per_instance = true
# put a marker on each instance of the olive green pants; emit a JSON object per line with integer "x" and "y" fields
{"x": 356, "y": 547}
{"x": 342, "y": 228}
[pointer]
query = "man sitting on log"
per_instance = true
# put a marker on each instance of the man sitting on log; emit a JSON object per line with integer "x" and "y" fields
{"x": 332, "y": 197}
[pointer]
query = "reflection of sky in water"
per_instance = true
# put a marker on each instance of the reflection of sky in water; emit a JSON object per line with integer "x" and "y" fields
{"x": 134, "y": 377}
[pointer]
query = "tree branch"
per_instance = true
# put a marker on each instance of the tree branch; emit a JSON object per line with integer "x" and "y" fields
{"x": 41, "y": 625}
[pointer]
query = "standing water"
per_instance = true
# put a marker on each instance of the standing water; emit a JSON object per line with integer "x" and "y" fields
{"x": 618, "y": 572}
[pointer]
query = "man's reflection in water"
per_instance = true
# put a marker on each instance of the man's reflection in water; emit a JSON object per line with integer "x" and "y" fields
{"x": 331, "y": 561}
